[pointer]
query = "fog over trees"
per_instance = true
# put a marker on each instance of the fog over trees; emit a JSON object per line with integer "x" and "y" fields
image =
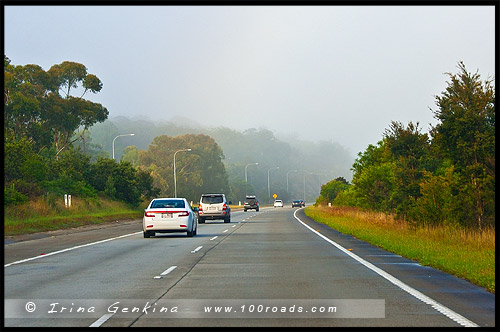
{"x": 306, "y": 165}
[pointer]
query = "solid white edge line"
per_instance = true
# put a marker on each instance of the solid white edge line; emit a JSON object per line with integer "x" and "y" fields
{"x": 424, "y": 298}
{"x": 69, "y": 249}
{"x": 101, "y": 320}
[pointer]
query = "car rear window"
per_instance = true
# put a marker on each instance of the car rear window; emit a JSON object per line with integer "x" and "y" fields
{"x": 211, "y": 199}
{"x": 168, "y": 203}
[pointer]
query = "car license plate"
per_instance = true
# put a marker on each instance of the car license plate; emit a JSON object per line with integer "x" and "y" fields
{"x": 167, "y": 215}
{"x": 212, "y": 208}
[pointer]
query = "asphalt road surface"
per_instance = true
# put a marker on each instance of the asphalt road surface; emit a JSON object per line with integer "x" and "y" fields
{"x": 275, "y": 267}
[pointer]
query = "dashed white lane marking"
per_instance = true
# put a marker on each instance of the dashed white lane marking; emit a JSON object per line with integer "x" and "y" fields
{"x": 101, "y": 320}
{"x": 72, "y": 248}
{"x": 196, "y": 250}
{"x": 167, "y": 271}
{"x": 424, "y": 298}
{"x": 213, "y": 238}
{"x": 225, "y": 230}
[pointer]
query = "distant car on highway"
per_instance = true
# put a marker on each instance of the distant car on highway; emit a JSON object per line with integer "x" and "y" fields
{"x": 302, "y": 202}
{"x": 214, "y": 206}
{"x": 296, "y": 203}
{"x": 167, "y": 215}
{"x": 278, "y": 203}
{"x": 251, "y": 203}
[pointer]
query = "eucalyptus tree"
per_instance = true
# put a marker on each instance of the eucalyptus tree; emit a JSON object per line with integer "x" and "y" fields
{"x": 39, "y": 105}
{"x": 198, "y": 171}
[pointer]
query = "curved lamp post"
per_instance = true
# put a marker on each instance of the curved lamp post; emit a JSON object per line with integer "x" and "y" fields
{"x": 294, "y": 170}
{"x": 114, "y": 142}
{"x": 246, "y": 176}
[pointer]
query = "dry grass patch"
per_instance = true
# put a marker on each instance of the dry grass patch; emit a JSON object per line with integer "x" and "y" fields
{"x": 44, "y": 214}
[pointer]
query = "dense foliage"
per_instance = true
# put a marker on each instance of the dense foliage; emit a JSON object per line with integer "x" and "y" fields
{"x": 42, "y": 122}
{"x": 445, "y": 178}
{"x": 331, "y": 189}
{"x": 197, "y": 171}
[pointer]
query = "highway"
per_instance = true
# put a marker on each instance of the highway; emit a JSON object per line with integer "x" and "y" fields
{"x": 275, "y": 267}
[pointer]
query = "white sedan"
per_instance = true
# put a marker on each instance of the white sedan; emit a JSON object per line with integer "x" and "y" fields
{"x": 278, "y": 203}
{"x": 167, "y": 215}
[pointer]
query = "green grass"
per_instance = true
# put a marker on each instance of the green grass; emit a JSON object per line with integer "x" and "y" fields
{"x": 466, "y": 254}
{"x": 43, "y": 215}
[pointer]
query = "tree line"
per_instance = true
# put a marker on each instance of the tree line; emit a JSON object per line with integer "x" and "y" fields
{"x": 444, "y": 177}
{"x": 303, "y": 165}
{"x": 49, "y": 149}
{"x": 44, "y": 115}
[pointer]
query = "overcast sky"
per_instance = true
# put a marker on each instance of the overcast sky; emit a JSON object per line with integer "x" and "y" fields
{"x": 334, "y": 73}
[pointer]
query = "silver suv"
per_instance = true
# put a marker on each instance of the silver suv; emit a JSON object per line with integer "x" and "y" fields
{"x": 214, "y": 206}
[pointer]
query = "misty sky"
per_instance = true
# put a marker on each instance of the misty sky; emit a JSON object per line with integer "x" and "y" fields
{"x": 334, "y": 73}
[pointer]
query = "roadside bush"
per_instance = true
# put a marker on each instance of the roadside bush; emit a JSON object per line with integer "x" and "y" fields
{"x": 347, "y": 197}
{"x": 331, "y": 189}
{"x": 116, "y": 180}
{"x": 435, "y": 205}
{"x": 145, "y": 184}
{"x": 20, "y": 162}
{"x": 12, "y": 196}
{"x": 27, "y": 188}
{"x": 71, "y": 164}
{"x": 65, "y": 185}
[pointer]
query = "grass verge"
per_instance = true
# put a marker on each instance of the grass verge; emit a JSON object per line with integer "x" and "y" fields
{"x": 466, "y": 254}
{"x": 44, "y": 214}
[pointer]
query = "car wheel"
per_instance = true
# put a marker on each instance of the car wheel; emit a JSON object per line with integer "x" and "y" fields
{"x": 245, "y": 210}
{"x": 147, "y": 234}
{"x": 190, "y": 233}
{"x": 227, "y": 219}
{"x": 257, "y": 210}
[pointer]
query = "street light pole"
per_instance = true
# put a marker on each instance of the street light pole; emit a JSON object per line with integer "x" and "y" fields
{"x": 114, "y": 142}
{"x": 287, "y": 179}
{"x": 246, "y": 176}
{"x": 307, "y": 173}
{"x": 175, "y": 179}
{"x": 305, "y": 184}
{"x": 268, "y": 185}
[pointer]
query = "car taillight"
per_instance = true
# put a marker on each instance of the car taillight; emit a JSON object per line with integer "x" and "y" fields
{"x": 200, "y": 207}
{"x": 224, "y": 207}
{"x": 183, "y": 214}
{"x": 149, "y": 214}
